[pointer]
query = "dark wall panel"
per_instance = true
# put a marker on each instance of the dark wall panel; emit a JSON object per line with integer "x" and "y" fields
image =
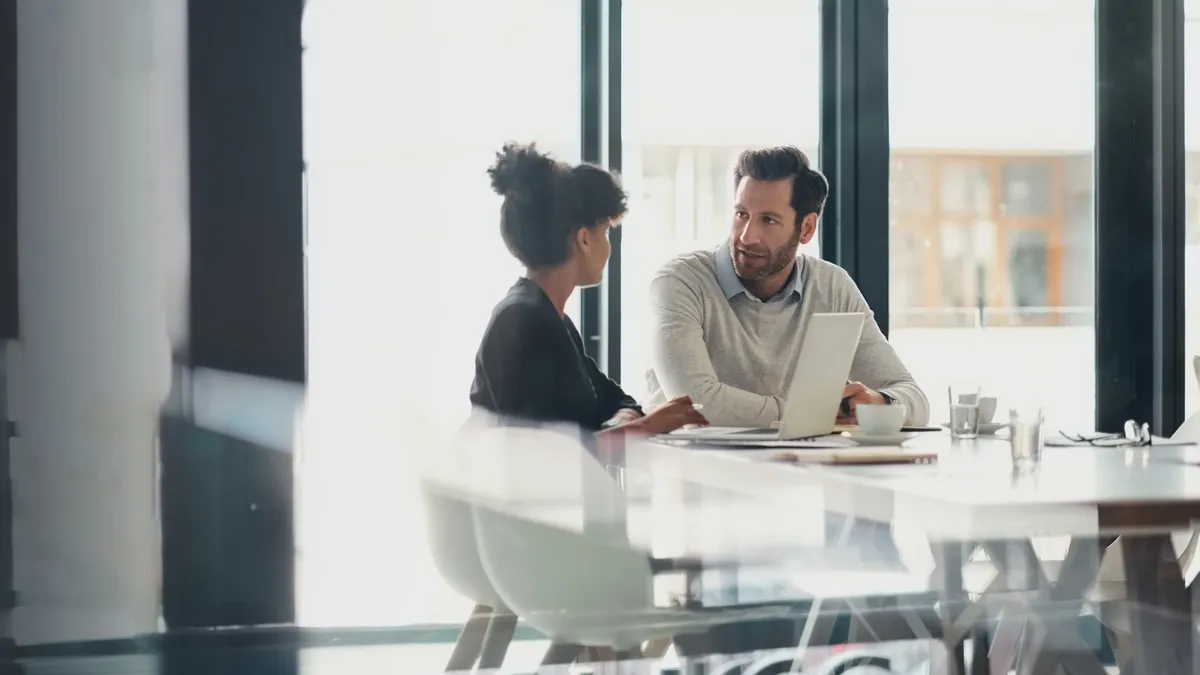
{"x": 8, "y": 169}
{"x": 8, "y": 297}
{"x": 247, "y": 243}
{"x": 227, "y": 522}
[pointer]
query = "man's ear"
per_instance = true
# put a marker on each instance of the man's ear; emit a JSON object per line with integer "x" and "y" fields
{"x": 808, "y": 228}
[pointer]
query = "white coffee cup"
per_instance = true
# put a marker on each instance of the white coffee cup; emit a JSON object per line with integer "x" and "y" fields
{"x": 985, "y": 404}
{"x": 876, "y": 419}
{"x": 987, "y": 409}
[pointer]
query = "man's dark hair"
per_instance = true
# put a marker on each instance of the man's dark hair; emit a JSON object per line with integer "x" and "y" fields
{"x": 809, "y": 187}
{"x": 546, "y": 202}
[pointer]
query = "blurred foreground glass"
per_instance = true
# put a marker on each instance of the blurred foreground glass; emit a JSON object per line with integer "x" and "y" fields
{"x": 1025, "y": 426}
{"x": 963, "y": 401}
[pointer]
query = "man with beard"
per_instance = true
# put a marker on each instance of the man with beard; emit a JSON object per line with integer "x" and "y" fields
{"x": 728, "y": 322}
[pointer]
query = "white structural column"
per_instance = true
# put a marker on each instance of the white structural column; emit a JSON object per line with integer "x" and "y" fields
{"x": 103, "y": 218}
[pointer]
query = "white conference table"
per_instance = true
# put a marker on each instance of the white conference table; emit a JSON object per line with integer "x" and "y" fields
{"x": 969, "y": 497}
{"x": 970, "y": 492}
{"x": 731, "y": 507}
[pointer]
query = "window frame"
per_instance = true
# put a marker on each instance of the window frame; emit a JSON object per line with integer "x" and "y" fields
{"x": 1139, "y": 364}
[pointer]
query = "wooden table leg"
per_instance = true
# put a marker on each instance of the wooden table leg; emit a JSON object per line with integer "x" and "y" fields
{"x": 1162, "y": 632}
{"x": 949, "y": 558}
{"x": 1051, "y": 639}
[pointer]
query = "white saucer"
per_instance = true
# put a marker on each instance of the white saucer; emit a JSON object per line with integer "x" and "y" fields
{"x": 985, "y": 428}
{"x": 991, "y": 428}
{"x": 859, "y": 438}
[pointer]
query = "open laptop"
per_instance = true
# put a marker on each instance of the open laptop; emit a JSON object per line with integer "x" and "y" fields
{"x": 815, "y": 392}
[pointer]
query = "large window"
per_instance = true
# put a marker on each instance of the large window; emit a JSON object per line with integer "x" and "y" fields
{"x": 733, "y": 75}
{"x": 991, "y": 199}
{"x": 405, "y": 105}
{"x": 1191, "y": 134}
{"x": 991, "y": 229}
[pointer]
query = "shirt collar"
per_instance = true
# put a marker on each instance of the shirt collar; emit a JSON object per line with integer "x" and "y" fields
{"x": 731, "y": 285}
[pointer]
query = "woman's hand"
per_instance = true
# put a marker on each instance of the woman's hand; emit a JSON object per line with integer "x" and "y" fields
{"x": 624, "y": 416}
{"x": 676, "y": 413}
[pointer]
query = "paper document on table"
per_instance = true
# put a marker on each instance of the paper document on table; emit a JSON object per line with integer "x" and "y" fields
{"x": 1096, "y": 440}
{"x": 838, "y": 428}
{"x": 840, "y": 456}
{"x": 703, "y": 432}
{"x": 727, "y": 442}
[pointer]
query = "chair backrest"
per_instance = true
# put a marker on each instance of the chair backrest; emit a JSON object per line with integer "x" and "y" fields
{"x": 544, "y": 560}
{"x": 1189, "y": 430}
{"x": 450, "y": 528}
{"x": 447, "y": 484}
{"x": 1186, "y": 543}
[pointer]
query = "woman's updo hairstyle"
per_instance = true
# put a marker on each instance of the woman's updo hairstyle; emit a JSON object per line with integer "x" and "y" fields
{"x": 547, "y": 201}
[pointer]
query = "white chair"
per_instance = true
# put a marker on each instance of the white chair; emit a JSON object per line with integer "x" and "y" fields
{"x": 489, "y": 629}
{"x": 578, "y": 582}
{"x": 450, "y": 529}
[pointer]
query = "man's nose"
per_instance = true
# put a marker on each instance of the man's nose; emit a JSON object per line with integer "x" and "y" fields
{"x": 749, "y": 234}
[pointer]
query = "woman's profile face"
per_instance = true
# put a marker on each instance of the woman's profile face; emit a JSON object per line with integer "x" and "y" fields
{"x": 593, "y": 249}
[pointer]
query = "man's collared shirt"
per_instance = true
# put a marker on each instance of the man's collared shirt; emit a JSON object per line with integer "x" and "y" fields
{"x": 731, "y": 285}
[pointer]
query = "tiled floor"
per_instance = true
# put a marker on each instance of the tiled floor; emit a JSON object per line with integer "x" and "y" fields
{"x": 408, "y": 659}
{"x": 413, "y": 659}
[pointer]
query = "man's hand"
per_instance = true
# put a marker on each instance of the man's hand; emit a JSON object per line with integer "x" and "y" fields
{"x": 857, "y": 393}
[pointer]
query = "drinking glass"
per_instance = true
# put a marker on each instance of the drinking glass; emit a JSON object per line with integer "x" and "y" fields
{"x": 1026, "y": 437}
{"x": 964, "y": 411}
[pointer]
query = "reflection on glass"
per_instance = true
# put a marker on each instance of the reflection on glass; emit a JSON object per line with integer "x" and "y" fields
{"x": 1027, "y": 189}
{"x": 1029, "y": 265}
{"x": 909, "y": 266}
{"x": 967, "y": 251}
{"x": 911, "y": 185}
{"x": 995, "y": 178}
{"x": 965, "y": 189}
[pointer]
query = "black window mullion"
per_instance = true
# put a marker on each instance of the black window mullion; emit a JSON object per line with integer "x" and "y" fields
{"x": 1170, "y": 200}
{"x": 1139, "y": 174}
{"x": 831, "y": 125}
{"x": 613, "y": 140}
{"x": 591, "y": 150}
{"x": 855, "y": 148}
{"x": 8, "y": 171}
